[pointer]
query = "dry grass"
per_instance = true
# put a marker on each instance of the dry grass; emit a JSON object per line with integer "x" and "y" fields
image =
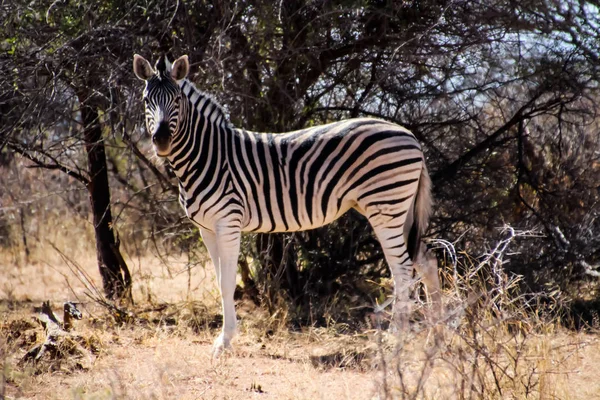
{"x": 491, "y": 348}
{"x": 499, "y": 342}
{"x": 164, "y": 352}
{"x": 153, "y": 357}
{"x": 142, "y": 363}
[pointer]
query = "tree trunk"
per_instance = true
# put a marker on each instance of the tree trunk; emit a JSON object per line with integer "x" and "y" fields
{"x": 113, "y": 269}
{"x": 279, "y": 266}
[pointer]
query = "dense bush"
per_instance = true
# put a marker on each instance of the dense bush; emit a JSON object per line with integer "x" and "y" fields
{"x": 502, "y": 96}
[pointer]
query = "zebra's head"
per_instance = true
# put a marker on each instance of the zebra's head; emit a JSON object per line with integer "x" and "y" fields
{"x": 162, "y": 98}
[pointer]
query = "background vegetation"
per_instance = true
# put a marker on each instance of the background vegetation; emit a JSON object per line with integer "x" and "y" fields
{"x": 502, "y": 94}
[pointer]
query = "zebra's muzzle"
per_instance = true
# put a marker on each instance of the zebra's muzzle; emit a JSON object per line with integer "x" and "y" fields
{"x": 161, "y": 139}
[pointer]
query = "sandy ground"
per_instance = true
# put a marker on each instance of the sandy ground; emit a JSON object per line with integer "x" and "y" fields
{"x": 175, "y": 368}
{"x": 142, "y": 363}
{"x": 172, "y": 362}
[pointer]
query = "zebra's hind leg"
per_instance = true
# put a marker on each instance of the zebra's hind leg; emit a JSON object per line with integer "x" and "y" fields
{"x": 396, "y": 254}
{"x": 427, "y": 268}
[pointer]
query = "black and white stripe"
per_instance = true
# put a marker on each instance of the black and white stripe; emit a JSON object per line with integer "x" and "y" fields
{"x": 233, "y": 180}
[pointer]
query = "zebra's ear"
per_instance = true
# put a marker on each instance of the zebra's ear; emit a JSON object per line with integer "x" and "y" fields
{"x": 180, "y": 69}
{"x": 142, "y": 68}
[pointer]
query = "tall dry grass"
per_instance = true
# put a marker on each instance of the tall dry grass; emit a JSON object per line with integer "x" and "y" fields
{"x": 498, "y": 341}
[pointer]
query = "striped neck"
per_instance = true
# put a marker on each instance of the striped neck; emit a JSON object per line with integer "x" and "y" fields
{"x": 201, "y": 135}
{"x": 203, "y": 103}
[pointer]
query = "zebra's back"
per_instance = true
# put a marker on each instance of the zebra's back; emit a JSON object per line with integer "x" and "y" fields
{"x": 305, "y": 179}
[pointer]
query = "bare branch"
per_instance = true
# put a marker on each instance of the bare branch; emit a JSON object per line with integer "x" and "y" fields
{"x": 54, "y": 166}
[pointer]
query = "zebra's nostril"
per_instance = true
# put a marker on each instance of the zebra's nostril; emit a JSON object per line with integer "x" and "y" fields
{"x": 162, "y": 134}
{"x": 160, "y": 138}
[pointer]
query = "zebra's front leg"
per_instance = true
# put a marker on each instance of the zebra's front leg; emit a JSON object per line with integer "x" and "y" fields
{"x": 228, "y": 247}
{"x": 210, "y": 241}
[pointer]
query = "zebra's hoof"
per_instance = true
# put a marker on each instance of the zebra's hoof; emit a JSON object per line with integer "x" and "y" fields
{"x": 220, "y": 346}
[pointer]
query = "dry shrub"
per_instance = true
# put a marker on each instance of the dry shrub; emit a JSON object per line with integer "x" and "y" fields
{"x": 37, "y": 348}
{"x": 496, "y": 343}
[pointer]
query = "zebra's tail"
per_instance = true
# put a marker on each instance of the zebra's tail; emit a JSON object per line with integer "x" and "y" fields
{"x": 421, "y": 213}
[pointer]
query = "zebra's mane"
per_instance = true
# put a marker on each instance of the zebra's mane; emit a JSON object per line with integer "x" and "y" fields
{"x": 194, "y": 91}
{"x": 163, "y": 67}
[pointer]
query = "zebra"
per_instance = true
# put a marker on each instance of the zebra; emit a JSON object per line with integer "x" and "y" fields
{"x": 233, "y": 180}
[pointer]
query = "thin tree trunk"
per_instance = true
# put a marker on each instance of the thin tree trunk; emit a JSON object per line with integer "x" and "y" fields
{"x": 24, "y": 234}
{"x": 278, "y": 266}
{"x": 113, "y": 269}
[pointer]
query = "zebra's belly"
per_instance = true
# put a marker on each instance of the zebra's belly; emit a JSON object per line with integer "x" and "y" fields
{"x": 290, "y": 221}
